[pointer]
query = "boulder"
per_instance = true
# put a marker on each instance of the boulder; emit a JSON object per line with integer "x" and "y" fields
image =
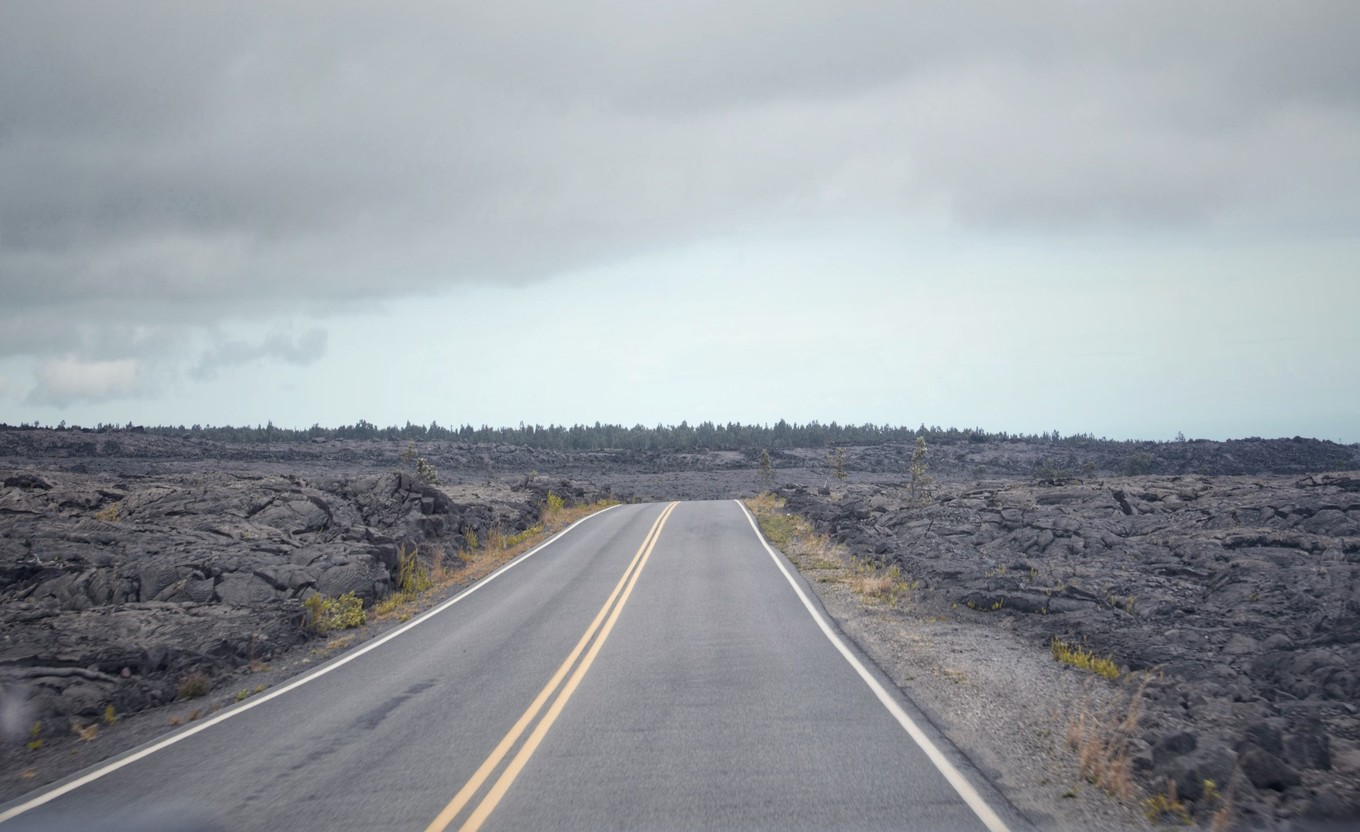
{"x": 1267, "y": 771}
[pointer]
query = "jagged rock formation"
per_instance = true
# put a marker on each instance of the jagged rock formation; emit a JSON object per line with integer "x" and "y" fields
{"x": 1240, "y": 594}
{"x": 113, "y": 588}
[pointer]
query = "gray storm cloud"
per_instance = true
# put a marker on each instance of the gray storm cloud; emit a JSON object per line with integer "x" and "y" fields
{"x": 307, "y": 348}
{"x": 167, "y": 166}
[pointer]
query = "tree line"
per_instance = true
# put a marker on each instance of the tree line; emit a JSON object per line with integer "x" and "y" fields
{"x": 731, "y": 436}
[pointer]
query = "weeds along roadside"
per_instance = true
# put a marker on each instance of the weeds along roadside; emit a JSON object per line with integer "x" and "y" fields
{"x": 823, "y": 560}
{"x": 424, "y": 577}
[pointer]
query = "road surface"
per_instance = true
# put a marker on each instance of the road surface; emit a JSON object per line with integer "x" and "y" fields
{"x": 654, "y": 667}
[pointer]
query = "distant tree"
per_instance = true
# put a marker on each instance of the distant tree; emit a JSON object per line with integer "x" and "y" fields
{"x": 920, "y": 474}
{"x": 836, "y": 463}
{"x": 766, "y": 469}
{"x": 424, "y": 469}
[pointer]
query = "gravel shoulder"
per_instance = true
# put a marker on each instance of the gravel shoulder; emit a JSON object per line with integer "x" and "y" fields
{"x": 1006, "y": 705}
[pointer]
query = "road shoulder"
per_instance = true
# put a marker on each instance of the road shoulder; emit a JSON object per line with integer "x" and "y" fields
{"x": 1003, "y": 703}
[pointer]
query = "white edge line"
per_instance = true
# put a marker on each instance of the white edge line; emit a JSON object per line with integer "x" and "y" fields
{"x": 956, "y": 779}
{"x": 260, "y": 699}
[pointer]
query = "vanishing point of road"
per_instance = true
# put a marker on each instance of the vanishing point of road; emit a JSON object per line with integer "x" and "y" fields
{"x": 652, "y": 667}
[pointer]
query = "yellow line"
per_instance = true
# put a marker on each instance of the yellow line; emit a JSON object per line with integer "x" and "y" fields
{"x": 493, "y": 797}
{"x": 460, "y": 800}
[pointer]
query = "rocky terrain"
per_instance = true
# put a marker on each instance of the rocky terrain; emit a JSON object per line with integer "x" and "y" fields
{"x": 1226, "y": 570}
{"x": 119, "y": 584}
{"x": 1239, "y": 596}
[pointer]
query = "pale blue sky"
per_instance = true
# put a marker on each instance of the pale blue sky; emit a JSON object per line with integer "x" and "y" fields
{"x": 1124, "y": 221}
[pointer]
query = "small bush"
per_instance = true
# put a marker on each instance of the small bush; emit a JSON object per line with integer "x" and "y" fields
{"x": 1084, "y": 659}
{"x": 194, "y": 685}
{"x": 325, "y": 613}
{"x": 425, "y": 470}
{"x": 110, "y": 715}
{"x": 554, "y": 503}
{"x": 111, "y": 513}
{"x": 1165, "y": 805}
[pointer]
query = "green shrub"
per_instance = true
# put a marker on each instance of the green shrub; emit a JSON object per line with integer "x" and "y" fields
{"x": 325, "y": 613}
{"x": 425, "y": 470}
{"x": 423, "y": 467}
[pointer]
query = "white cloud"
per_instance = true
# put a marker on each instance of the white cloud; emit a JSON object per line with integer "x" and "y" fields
{"x": 71, "y": 380}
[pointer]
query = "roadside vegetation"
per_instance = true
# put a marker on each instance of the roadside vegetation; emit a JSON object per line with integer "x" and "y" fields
{"x": 1101, "y": 730}
{"x": 1084, "y": 659}
{"x": 423, "y": 578}
{"x": 324, "y": 613}
{"x": 1102, "y": 740}
{"x": 825, "y": 561}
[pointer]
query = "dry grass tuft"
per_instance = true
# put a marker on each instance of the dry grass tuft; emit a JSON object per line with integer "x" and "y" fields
{"x": 791, "y": 534}
{"x": 876, "y": 585}
{"x": 810, "y": 550}
{"x": 194, "y": 685}
{"x": 1101, "y": 742}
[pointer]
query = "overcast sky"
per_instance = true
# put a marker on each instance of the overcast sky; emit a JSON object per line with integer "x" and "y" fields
{"x": 1127, "y": 219}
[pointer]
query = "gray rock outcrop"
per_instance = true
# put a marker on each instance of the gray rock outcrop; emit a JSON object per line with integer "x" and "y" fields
{"x": 114, "y": 588}
{"x": 1239, "y": 595}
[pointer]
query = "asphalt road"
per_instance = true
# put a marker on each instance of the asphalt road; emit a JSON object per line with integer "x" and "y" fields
{"x": 655, "y": 667}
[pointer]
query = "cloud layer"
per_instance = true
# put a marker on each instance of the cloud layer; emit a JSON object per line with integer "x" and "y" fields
{"x": 71, "y": 380}
{"x": 170, "y": 167}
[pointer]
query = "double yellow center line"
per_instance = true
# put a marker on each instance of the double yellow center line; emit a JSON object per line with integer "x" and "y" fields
{"x": 593, "y": 639}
